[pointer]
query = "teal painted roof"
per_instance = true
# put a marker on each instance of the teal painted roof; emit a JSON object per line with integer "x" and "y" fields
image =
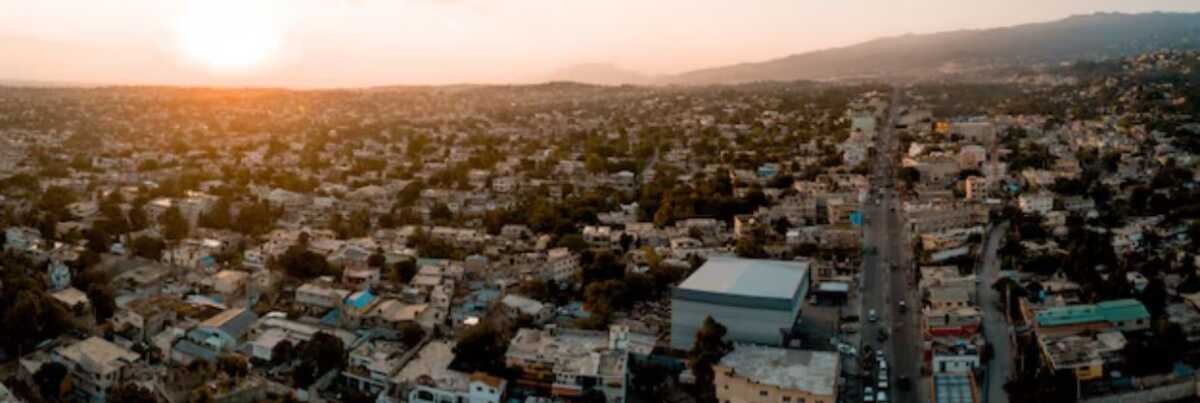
{"x": 1120, "y": 310}
{"x": 1068, "y": 315}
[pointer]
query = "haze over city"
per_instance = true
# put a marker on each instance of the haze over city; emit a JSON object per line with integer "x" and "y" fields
{"x": 330, "y": 43}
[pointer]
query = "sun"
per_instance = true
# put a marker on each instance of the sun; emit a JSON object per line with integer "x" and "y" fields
{"x": 228, "y": 34}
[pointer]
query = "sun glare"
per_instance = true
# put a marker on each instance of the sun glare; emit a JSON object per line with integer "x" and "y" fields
{"x": 228, "y": 34}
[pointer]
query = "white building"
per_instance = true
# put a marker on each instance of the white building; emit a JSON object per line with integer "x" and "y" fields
{"x": 1041, "y": 202}
{"x": 753, "y": 299}
{"x": 429, "y": 379}
{"x": 95, "y": 366}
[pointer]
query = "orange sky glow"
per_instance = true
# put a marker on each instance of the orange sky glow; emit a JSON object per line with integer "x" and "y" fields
{"x": 351, "y": 43}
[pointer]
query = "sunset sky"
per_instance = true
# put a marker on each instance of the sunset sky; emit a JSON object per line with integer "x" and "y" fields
{"x": 327, "y": 43}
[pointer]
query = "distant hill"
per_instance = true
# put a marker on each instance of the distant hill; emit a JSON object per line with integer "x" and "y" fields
{"x": 1095, "y": 36}
{"x": 599, "y": 73}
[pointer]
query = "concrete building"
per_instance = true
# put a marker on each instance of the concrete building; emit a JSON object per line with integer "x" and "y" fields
{"x": 757, "y": 374}
{"x": 567, "y": 363}
{"x": 427, "y": 378}
{"x": 95, "y": 366}
{"x": 1041, "y": 202}
{"x": 755, "y": 299}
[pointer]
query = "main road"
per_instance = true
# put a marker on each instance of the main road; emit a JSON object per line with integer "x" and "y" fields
{"x": 887, "y": 276}
{"x": 995, "y": 326}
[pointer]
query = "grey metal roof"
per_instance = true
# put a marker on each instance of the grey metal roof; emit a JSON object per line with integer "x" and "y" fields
{"x": 195, "y": 350}
{"x": 748, "y": 277}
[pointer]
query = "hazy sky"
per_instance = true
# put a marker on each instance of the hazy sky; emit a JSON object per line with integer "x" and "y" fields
{"x": 323, "y": 43}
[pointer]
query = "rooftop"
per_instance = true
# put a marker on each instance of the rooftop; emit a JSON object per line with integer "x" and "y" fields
{"x": 431, "y": 365}
{"x": 748, "y": 277}
{"x": 569, "y": 351}
{"x": 100, "y": 355}
{"x": 1110, "y": 311}
{"x": 813, "y": 371}
{"x": 954, "y": 388}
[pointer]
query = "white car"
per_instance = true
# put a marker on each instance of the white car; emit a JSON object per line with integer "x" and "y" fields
{"x": 847, "y": 349}
{"x": 881, "y": 397}
{"x": 883, "y": 381}
{"x": 871, "y": 316}
{"x": 868, "y": 394}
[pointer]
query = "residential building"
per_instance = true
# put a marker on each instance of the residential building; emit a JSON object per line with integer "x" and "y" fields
{"x": 758, "y": 374}
{"x": 95, "y": 366}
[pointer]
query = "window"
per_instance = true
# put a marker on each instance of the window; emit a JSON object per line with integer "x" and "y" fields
{"x": 762, "y": 393}
{"x": 787, "y": 399}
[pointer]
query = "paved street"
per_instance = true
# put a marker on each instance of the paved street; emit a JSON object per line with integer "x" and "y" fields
{"x": 995, "y": 328}
{"x": 882, "y": 287}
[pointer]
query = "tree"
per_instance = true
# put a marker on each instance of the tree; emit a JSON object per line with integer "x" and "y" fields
{"x": 572, "y": 241}
{"x": 103, "y": 300}
{"x": 49, "y": 380}
{"x": 377, "y": 259}
{"x": 403, "y": 271}
{"x": 233, "y": 365}
{"x": 321, "y": 354}
{"x": 175, "y": 226}
{"x": 131, "y": 392}
{"x": 749, "y": 247}
{"x": 282, "y": 352}
{"x": 480, "y": 348}
{"x": 147, "y": 247}
{"x": 708, "y": 349}
{"x": 297, "y": 261}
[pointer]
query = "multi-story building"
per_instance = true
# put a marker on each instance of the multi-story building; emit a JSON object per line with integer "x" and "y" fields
{"x": 427, "y": 378}
{"x": 757, "y": 300}
{"x": 757, "y": 374}
{"x": 567, "y": 363}
{"x": 95, "y": 366}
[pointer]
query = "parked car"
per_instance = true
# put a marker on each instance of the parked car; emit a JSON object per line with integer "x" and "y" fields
{"x": 872, "y": 317}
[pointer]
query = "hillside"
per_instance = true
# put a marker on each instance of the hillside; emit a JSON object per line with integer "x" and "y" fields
{"x": 1094, "y": 36}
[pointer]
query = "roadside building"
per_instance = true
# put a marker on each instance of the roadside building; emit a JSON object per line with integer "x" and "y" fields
{"x": 757, "y": 300}
{"x": 757, "y": 374}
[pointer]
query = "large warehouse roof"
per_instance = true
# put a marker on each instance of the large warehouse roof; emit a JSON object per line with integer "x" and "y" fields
{"x": 748, "y": 277}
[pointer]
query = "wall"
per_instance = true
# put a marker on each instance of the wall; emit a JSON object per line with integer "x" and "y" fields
{"x": 744, "y": 324}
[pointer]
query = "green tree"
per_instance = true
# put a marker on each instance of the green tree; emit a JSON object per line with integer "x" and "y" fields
{"x": 132, "y": 393}
{"x": 49, "y": 380}
{"x": 175, "y": 226}
{"x": 480, "y": 348}
{"x": 103, "y": 301}
{"x": 708, "y": 349}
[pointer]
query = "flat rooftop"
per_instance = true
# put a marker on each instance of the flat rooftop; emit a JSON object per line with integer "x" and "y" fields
{"x": 954, "y": 388}
{"x": 815, "y": 372}
{"x": 748, "y": 277}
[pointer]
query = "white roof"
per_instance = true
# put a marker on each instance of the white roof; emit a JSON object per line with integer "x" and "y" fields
{"x": 813, "y": 371}
{"x": 749, "y": 277}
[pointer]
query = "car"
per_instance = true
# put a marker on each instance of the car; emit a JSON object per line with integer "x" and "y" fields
{"x": 903, "y": 307}
{"x": 879, "y": 355}
{"x": 868, "y": 394}
{"x": 871, "y": 316}
{"x": 881, "y": 397}
{"x": 882, "y": 336}
{"x": 883, "y": 366}
{"x": 847, "y": 349}
{"x": 883, "y": 381}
